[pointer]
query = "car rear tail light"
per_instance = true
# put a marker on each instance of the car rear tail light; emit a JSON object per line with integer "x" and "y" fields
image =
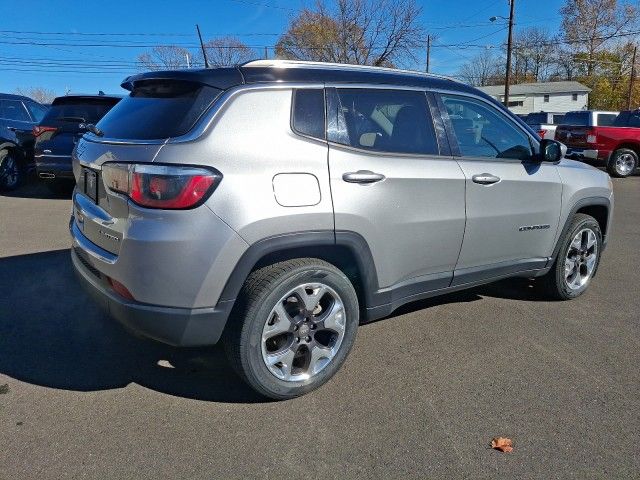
{"x": 541, "y": 133}
{"x": 39, "y": 130}
{"x": 591, "y": 136}
{"x": 161, "y": 186}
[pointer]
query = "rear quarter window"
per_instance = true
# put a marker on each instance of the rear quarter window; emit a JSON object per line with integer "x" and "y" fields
{"x": 158, "y": 109}
{"x": 80, "y": 110}
{"x": 308, "y": 112}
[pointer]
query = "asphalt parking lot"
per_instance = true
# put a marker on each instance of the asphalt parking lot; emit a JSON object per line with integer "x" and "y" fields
{"x": 421, "y": 395}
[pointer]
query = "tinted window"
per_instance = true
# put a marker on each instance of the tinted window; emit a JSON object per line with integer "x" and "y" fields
{"x": 14, "y": 110}
{"x": 579, "y": 119}
{"x": 536, "y": 118}
{"x": 308, "y": 112}
{"x": 628, "y": 119}
{"x": 386, "y": 121}
{"x": 606, "y": 119}
{"x": 483, "y": 131}
{"x": 37, "y": 111}
{"x": 79, "y": 110}
{"x": 158, "y": 109}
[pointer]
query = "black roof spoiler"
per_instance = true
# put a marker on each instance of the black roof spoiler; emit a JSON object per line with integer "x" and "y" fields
{"x": 222, "y": 78}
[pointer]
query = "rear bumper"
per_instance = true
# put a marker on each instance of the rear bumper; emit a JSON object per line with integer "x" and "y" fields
{"x": 587, "y": 154}
{"x": 183, "y": 327}
{"x": 51, "y": 167}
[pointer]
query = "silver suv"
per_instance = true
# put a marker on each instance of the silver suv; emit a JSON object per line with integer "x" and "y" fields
{"x": 277, "y": 205}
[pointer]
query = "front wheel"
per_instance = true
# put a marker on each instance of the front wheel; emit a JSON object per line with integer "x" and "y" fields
{"x": 623, "y": 162}
{"x": 293, "y": 328}
{"x": 577, "y": 259}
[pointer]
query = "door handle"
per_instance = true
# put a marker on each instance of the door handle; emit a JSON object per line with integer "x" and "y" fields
{"x": 362, "y": 176}
{"x": 13, "y": 129}
{"x": 485, "y": 179}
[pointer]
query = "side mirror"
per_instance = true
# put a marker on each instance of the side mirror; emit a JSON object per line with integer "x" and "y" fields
{"x": 551, "y": 151}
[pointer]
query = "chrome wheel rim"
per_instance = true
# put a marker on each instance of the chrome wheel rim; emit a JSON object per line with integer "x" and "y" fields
{"x": 303, "y": 332}
{"x": 581, "y": 258}
{"x": 10, "y": 171}
{"x": 625, "y": 164}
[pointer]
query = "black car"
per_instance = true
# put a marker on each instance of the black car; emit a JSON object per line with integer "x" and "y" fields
{"x": 66, "y": 121}
{"x": 18, "y": 116}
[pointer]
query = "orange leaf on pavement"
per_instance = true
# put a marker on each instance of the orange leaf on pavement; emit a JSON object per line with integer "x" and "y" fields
{"x": 502, "y": 443}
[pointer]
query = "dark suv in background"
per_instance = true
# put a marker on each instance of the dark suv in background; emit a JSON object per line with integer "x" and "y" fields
{"x": 66, "y": 121}
{"x": 18, "y": 115}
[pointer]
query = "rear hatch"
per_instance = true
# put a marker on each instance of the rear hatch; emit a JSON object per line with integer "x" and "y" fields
{"x": 574, "y": 130}
{"x": 133, "y": 132}
{"x": 65, "y": 122}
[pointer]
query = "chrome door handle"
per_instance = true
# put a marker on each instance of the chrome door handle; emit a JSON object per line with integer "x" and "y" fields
{"x": 485, "y": 179}
{"x": 362, "y": 176}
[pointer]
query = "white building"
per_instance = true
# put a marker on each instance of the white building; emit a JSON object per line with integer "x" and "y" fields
{"x": 543, "y": 96}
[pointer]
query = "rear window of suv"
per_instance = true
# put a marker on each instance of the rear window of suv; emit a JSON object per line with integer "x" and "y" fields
{"x": 158, "y": 109}
{"x": 77, "y": 109}
{"x": 578, "y": 119}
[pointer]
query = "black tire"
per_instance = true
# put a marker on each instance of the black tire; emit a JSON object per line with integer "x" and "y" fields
{"x": 265, "y": 287}
{"x": 11, "y": 171}
{"x": 622, "y": 163}
{"x": 555, "y": 281}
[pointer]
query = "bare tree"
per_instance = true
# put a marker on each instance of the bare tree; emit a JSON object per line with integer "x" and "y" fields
{"x": 589, "y": 24}
{"x": 533, "y": 55}
{"x": 363, "y": 32}
{"x": 484, "y": 69}
{"x": 227, "y": 51}
{"x": 165, "y": 57}
{"x": 39, "y": 94}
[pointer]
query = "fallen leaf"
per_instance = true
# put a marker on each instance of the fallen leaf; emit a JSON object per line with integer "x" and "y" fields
{"x": 4, "y": 388}
{"x": 502, "y": 443}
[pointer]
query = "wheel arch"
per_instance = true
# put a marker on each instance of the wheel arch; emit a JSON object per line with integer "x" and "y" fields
{"x": 597, "y": 207}
{"x": 628, "y": 144}
{"x": 348, "y": 251}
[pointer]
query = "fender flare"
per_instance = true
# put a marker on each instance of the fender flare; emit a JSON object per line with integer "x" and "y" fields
{"x": 584, "y": 202}
{"x": 306, "y": 241}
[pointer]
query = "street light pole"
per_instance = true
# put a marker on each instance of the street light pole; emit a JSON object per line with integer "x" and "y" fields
{"x": 507, "y": 78}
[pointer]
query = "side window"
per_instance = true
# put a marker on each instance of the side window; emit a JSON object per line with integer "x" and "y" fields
{"x": 483, "y": 131}
{"x": 14, "y": 110}
{"x": 606, "y": 119}
{"x": 308, "y": 112}
{"x": 394, "y": 121}
{"x": 37, "y": 111}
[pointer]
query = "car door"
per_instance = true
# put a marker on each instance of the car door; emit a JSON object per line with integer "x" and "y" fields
{"x": 390, "y": 185}
{"x": 512, "y": 200}
{"x": 17, "y": 125}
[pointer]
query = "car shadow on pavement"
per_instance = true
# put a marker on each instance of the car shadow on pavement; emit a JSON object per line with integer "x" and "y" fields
{"x": 35, "y": 188}
{"x": 51, "y": 334}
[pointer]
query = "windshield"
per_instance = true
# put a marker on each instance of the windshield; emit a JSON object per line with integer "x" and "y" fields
{"x": 579, "y": 119}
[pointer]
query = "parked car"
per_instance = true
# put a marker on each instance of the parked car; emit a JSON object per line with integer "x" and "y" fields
{"x": 18, "y": 115}
{"x": 276, "y": 205}
{"x": 616, "y": 143}
{"x": 544, "y": 123}
{"x": 58, "y": 132}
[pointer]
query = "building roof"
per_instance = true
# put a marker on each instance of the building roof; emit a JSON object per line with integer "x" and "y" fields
{"x": 539, "y": 88}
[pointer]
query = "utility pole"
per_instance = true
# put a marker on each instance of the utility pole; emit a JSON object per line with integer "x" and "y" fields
{"x": 428, "y": 52}
{"x": 507, "y": 78}
{"x": 266, "y": 53}
{"x": 632, "y": 78}
{"x": 204, "y": 52}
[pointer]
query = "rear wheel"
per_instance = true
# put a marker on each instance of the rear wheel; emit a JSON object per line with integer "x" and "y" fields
{"x": 10, "y": 170}
{"x": 293, "y": 328}
{"x": 577, "y": 259}
{"x": 623, "y": 162}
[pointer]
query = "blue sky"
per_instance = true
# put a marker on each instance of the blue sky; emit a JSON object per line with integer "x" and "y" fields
{"x": 60, "y": 65}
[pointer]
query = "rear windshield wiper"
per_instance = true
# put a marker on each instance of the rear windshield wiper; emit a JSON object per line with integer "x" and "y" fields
{"x": 71, "y": 119}
{"x": 90, "y": 127}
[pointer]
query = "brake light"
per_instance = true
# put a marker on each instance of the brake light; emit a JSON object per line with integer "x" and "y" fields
{"x": 541, "y": 133}
{"x": 38, "y": 130}
{"x": 161, "y": 186}
{"x": 591, "y": 136}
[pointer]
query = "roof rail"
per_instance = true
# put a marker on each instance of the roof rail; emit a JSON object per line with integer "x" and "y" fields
{"x": 341, "y": 66}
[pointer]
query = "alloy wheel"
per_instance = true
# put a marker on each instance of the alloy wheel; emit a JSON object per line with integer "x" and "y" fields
{"x": 625, "y": 163}
{"x": 303, "y": 332}
{"x": 581, "y": 259}
{"x": 9, "y": 171}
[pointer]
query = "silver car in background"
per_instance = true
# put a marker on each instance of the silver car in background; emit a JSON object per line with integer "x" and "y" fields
{"x": 277, "y": 205}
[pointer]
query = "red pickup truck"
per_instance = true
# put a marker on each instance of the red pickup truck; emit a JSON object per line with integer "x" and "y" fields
{"x": 617, "y": 145}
